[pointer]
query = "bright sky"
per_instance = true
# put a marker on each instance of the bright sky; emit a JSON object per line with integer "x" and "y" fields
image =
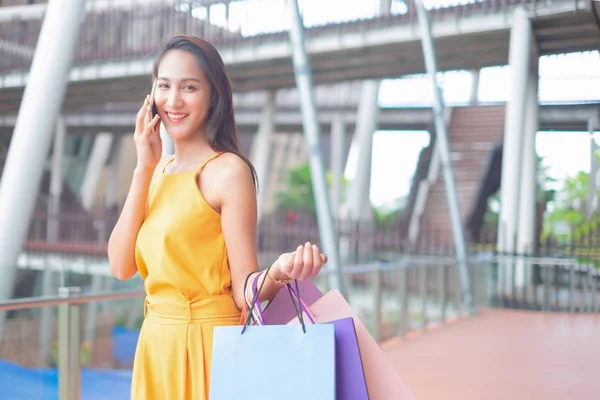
{"x": 563, "y": 78}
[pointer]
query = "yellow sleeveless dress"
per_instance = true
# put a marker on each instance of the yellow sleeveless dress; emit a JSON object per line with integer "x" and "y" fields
{"x": 181, "y": 255}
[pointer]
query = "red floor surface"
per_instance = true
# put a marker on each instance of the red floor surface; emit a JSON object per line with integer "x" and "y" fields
{"x": 503, "y": 355}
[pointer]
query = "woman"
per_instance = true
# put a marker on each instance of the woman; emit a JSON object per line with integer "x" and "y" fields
{"x": 189, "y": 225}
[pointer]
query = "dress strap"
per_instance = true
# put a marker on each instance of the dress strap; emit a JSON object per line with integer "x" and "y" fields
{"x": 209, "y": 159}
{"x": 169, "y": 161}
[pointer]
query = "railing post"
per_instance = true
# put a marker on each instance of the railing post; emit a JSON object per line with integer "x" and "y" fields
{"x": 403, "y": 312}
{"x": 423, "y": 292}
{"x": 69, "y": 362}
{"x": 377, "y": 282}
{"x": 442, "y": 291}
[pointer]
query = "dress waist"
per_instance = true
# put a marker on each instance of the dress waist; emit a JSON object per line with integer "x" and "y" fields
{"x": 192, "y": 311}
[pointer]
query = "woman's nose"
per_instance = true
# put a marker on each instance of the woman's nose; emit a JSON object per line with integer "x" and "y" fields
{"x": 174, "y": 99}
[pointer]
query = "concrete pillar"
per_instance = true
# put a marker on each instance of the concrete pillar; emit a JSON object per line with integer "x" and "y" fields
{"x": 474, "y": 87}
{"x": 97, "y": 161}
{"x": 359, "y": 203}
{"x": 56, "y": 180}
{"x": 261, "y": 148}
{"x": 312, "y": 134}
{"x": 526, "y": 237}
{"x": 527, "y": 195}
{"x": 52, "y": 235}
{"x": 519, "y": 58}
{"x": 41, "y": 103}
{"x": 338, "y": 152}
{"x": 385, "y": 6}
{"x": 593, "y": 124}
{"x": 112, "y": 185}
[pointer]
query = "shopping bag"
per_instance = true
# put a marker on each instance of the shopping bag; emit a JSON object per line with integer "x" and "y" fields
{"x": 350, "y": 383}
{"x": 264, "y": 362}
{"x": 383, "y": 382}
{"x": 349, "y": 375}
{"x": 280, "y": 310}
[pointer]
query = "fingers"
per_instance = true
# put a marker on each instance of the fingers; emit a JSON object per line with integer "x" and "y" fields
{"x": 143, "y": 116}
{"x": 305, "y": 262}
{"x": 297, "y": 263}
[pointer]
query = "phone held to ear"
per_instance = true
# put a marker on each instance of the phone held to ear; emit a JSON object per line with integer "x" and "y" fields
{"x": 152, "y": 107}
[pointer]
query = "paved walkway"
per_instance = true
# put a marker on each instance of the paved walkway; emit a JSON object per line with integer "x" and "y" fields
{"x": 503, "y": 355}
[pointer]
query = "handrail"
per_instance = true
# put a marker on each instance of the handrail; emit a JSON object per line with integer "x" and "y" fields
{"x": 50, "y": 301}
{"x": 406, "y": 262}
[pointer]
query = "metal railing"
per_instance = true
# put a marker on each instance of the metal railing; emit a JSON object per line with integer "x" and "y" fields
{"x": 131, "y": 30}
{"x": 392, "y": 298}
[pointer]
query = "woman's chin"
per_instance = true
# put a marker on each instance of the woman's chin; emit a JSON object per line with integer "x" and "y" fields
{"x": 178, "y": 133}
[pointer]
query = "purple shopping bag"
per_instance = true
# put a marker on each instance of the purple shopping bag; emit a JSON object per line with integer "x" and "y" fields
{"x": 350, "y": 380}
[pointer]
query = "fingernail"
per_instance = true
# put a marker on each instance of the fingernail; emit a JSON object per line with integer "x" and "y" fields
{"x": 300, "y": 247}
{"x": 307, "y": 244}
{"x": 314, "y": 246}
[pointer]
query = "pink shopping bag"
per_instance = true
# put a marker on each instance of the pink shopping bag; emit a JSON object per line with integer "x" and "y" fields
{"x": 383, "y": 382}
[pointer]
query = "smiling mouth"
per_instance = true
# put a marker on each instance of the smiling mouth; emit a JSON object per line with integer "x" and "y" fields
{"x": 176, "y": 116}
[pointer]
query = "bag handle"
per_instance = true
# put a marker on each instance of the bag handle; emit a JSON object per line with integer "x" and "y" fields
{"x": 256, "y": 302}
{"x": 258, "y": 315}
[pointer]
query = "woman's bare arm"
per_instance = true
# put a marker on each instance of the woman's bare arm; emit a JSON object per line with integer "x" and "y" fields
{"x": 121, "y": 244}
{"x": 239, "y": 224}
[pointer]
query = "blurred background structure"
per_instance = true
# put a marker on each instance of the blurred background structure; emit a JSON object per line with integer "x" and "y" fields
{"x": 519, "y": 108}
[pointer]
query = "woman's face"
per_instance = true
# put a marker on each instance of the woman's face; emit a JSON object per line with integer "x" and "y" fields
{"x": 182, "y": 95}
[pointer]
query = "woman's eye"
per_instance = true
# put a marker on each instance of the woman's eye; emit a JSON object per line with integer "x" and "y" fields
{"x": 163, "y": 85}
{"x": 189, "y": 87}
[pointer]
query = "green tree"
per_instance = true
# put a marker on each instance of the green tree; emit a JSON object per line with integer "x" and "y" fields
{"x": 571, "y": 208}
{"x": 298, "y": 194}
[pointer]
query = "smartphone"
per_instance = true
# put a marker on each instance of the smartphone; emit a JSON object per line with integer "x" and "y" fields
{"x": 153, "y": 110}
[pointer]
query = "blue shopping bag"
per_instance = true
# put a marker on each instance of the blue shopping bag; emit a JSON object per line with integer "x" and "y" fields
{"x": 264, "y": 362}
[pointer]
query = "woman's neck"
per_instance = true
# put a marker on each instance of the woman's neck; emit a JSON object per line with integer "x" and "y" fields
{"x": 191, "y": 152}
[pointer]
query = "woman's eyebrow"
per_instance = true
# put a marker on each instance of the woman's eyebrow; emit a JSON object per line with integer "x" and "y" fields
{"x": 182, "y": 80}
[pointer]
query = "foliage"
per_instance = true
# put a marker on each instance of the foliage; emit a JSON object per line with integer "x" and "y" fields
{"x": 298, "y": 194}
{"x": 387, "y": 215}
{"x": 571, "y": 208}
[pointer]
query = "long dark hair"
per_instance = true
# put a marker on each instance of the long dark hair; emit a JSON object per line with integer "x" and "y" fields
{"x": 221, "y": 130}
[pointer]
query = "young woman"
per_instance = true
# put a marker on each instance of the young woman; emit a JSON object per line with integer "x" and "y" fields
{"x": 189, "y": 225}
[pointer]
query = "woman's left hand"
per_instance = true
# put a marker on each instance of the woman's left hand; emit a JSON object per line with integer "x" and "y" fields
{"x": 304, "y": 263}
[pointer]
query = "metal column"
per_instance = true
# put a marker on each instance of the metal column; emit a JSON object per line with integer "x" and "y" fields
{"x": 110, "y": 199}
{"x": 52, "y": 235}
{"x": 95, "y": 165}
{"x": 528, "y": 191}
{"x": 445, "y": 161}
{"x": 475, "y": 75}
{"x": 261, "y": 148}
{"x": 594, "y": 167}
{"x": 41, "y": 103}
{"x": 312, "y": 134}
{"x": 519, "y": 60}
{"x": 359, "y": 203}
{"x": 527, "y": 200}
{"x": 338, "y": 149}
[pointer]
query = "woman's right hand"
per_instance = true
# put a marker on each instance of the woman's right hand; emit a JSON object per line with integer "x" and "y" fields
{"x": 148, "y": 144}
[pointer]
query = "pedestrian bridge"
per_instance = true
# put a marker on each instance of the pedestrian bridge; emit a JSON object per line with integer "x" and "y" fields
{"x": 115, "y": 51}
